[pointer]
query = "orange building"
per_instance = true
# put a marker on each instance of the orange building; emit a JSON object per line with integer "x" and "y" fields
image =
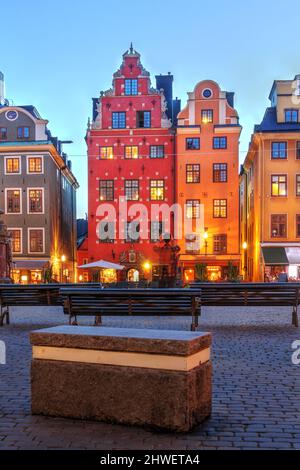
{"x": 207, "y": 146}
{"x": 270, "y": 189}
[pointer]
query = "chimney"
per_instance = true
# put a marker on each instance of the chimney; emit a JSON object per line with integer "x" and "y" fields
{"x": 2, "y": 97}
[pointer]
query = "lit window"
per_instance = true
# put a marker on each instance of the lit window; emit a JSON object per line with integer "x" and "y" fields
{"x": 132, "y": 190}
{"x": 207, "y": 116}
{"x": 157, "y": 190}
{"x": 16, "y": 240}
{"x": 35, "y": 201}
{"x": 193, "y": 173}
{"x": 220, "y": 244}
{"x": 291, "y": 115}
{"x": 118, "y": 120}
{"x": 131, "y": 152}
{"x": 192, "y": 143}
{"x": 220, "y": 208}
{"x": 12, "y": 165}
{"x": 106, "y": 153}
{"x": 220, "y": 143}
{"x": 131, "y": 86}
{"x": 106, "y": 190}
{"x": 36, "y": 240}
{"x": 297, "y": 185}
{"x": 35, "y": 165}
{"x": 279, "y": 150}
{"x": 279, "y": 185}
{"x": 193, "y": 209}
{"x": 157, "y": 151}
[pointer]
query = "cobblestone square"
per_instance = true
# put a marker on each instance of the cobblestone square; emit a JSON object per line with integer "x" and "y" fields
{"x": 256, "y": 388}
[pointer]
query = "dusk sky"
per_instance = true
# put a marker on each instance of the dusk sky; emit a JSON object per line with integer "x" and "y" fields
{"x": 58, "y": 57}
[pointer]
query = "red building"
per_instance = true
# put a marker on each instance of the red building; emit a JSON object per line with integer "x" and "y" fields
{"x": 131, "y": 156}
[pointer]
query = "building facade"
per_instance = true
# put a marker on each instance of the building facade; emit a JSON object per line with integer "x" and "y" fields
{"x": 207, "y": 186}
{"x": 38, "y": 195}
{"x": 270, "y": 189}
{"x": 131, "y": 159}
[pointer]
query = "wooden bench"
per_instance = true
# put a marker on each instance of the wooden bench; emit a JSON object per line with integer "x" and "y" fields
{"x": 32, "y": 295}
{"x": 250, "y": 295}
{"x": 143, "y": 302}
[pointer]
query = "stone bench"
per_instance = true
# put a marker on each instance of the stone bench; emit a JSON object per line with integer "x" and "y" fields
{"x": 144, "y": 377}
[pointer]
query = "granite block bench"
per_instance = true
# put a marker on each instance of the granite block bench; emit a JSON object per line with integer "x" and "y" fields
{"x": 155, "y": 378}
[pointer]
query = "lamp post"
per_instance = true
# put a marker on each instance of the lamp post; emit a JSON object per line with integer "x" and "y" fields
{"x": 63, "y": 260}
{"x": 205, "y": 239}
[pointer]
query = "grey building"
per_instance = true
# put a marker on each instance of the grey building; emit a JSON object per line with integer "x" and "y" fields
{"x": 38, "y": 196}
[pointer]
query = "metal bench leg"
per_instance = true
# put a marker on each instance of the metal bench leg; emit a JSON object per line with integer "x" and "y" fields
{"x": 4, "y": 314}
{"x": 295, "y": 320}
{"x": 98, "y": 320}
{"x": 74, "y": 322}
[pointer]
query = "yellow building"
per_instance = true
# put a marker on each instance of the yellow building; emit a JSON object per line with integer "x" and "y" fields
{"x": 270, "y": 190}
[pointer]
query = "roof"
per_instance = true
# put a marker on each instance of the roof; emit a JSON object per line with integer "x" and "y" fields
{"x": 32, "y": 110}
{"x": 270, "y": 124}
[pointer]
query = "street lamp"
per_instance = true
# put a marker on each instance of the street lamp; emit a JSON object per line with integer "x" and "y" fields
{"x": 205, "y": 239}
{"x": 245, "y": 246}
{"x": 63, "y": 260}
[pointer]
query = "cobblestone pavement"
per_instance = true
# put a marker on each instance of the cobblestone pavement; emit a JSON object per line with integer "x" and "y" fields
{"x": 256, "y": 395}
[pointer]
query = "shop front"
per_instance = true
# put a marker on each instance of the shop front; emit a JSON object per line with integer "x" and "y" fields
{"x": 212, "y": 269}
{"x": 29, "y": 272}
{"x": 281, "y": 259}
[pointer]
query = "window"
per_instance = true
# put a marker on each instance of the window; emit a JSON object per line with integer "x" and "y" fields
{"x": 157, "y": 151}
{"x": 193, "y": 208}
{"x": 106, "y": 153}
{"x": 13, "y": 201}
{"x": 220, "y": 172}
{"x": 156, "y": 231}
{"x": 131, "y": 86}
{"x": 220, "y": 143}
{"x": 291, "y": 115}
{"x": 3, "y": 133}
{"x": 132, "y": 232}
{"x": 106, "y": 190}
{"x": 278, "y": 225}
{"x": 192, "y": 173}
{"x": 132, "y": 190}
{"x": 220, "y": 208}
{"x": 12, "y": 165}
{"x": 157, "y": 190}
{"x": 106, "y": 232}
{"x": 36, "y": 240}
{"x": 118, "y": 120}
{"x": 279, "y": 185}
{"x": 16, "y": 240}
{"x": 298, "y": 225}
{"x": 192, "y": 143}
{"x": 298, "y": 150}
{"x": 143, "y": 119}
{"x": 220, "y": 244}
{"x": 279, "y": 150}
{"x": 35, "y": 201}
{"x": 207, "y": 115}
{"x": 23, "y": 132}
{"x": 297, "y": 185}
{"x": 131, "y": 152}
{"x": 34, "y": 165}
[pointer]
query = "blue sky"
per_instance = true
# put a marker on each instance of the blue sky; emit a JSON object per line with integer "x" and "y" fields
{"x": 58, "y": 55}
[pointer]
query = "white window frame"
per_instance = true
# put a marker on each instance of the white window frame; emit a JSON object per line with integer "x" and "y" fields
{"x": 10, "y": 157}
{"x": 27, "y": 165}
{"x": 28, "y": 240}
{"x": 5, "y": 202}
{"x": 21, "y": 239}
{"x": 43, "y": 200}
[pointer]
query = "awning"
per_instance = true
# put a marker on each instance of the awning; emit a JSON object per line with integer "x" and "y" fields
{"x": 275, "y": 255}
{"x": 38, "y": 264}
{"x": 293, "y": 255}
{"x": 101, "y": 264}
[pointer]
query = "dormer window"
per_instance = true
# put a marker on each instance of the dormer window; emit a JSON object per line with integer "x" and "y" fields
{"x": 3, "y": 133}
{"x": 131, "y": 86}
{"x": 291, "y": 115}
{"x": 23, "y": 133}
